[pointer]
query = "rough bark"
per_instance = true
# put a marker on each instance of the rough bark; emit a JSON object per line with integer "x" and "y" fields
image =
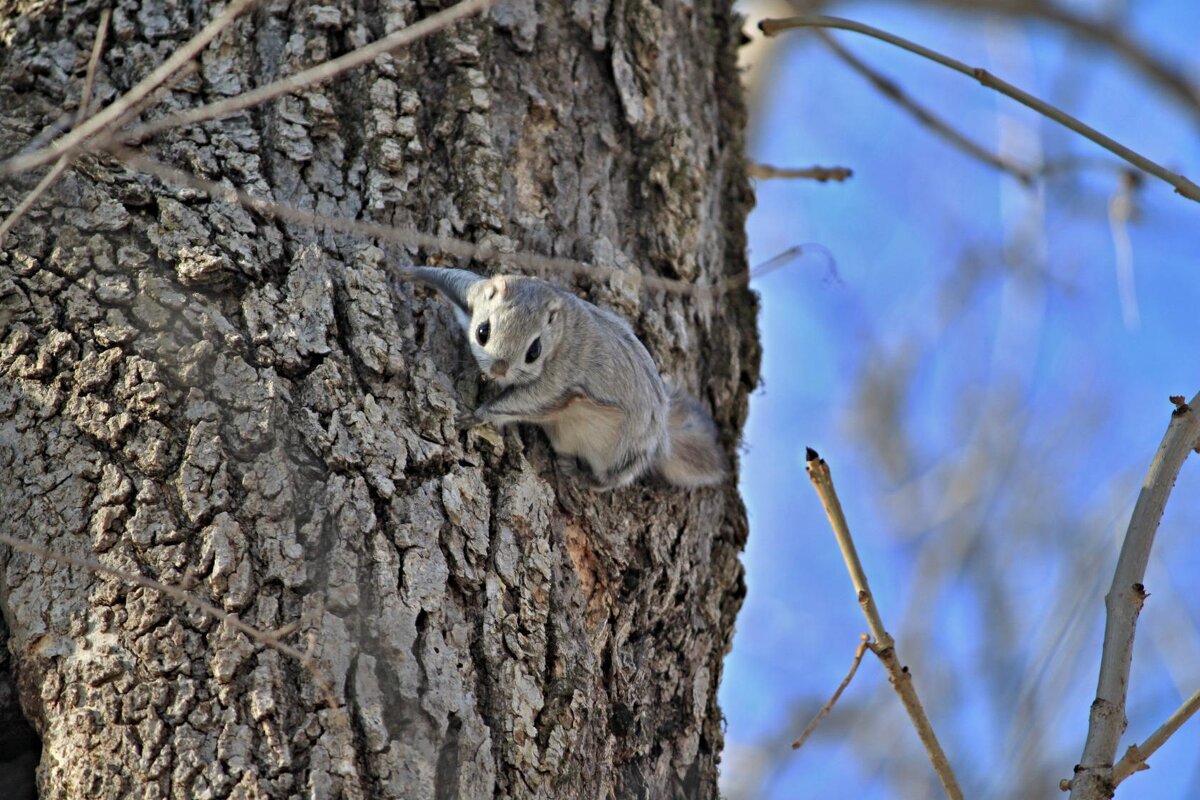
{"x": 213, "y": 399}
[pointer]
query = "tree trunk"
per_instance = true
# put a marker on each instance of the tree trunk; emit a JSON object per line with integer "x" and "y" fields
{"x": 221, "y": 401}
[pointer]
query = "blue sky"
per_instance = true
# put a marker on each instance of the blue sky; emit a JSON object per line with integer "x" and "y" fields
{"x": 1029, "y": 410}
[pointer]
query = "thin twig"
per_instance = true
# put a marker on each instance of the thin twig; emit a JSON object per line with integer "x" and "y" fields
{"x": 314, "y": 75}
{"x": 885, "y": 646}
{"x": 89, "y": 79}
{"x": 859, "y": 652}
{"x": 1182, "y": 185}
{"x": 890, "y": 89}
{"x": 459, "y": 248}
{"x": 69, "y": 159}
{"x": 820, "y": 174}
{"x": 45, "y": 183}
{"x": 786, "y": 257}
{"x": 63, "y": 123}
{"x": 779, "y": 260}
{"x": 1135, "y": 757}
{"x": 113, "y": 112}
{"x": 85, "y": 102}
{"x": 271, "y": 640}
{"x": 1094, "y": 774}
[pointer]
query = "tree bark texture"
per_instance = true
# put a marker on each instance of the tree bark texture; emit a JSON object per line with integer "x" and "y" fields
{"x": 218, "y": 400}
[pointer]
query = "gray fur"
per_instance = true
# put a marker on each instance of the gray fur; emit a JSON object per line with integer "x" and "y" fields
{"x": 594, "y": 389}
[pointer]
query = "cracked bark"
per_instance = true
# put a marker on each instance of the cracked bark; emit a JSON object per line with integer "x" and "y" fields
{"x": 217, "y": 400}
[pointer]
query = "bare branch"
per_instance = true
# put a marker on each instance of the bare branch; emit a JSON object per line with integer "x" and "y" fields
{"x": 314, "y": 75}
{"x": 85, "y": 102}
{"x": 71, "y": 142}
{"x": 885, "y": 646}
{"x": 1094, "y": 774}
{"x": 859, "y": 652}
{"x": 890, "y": 89}
{"x": 1182, "y": 185}
{"x": 820, "y": 174}
{"x": 1135, "y": 757}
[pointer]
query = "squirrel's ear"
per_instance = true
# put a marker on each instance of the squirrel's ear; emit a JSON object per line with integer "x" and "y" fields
{"x": 554, "y": 306}
{"x": 491, "y": 288}
{"x": 478, "y": 289}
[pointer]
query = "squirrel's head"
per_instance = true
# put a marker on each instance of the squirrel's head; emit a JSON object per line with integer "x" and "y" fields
{"x": 516, "y": 325}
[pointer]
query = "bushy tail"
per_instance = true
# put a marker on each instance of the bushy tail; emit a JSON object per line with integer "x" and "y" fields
{"x": 694, "y": 457}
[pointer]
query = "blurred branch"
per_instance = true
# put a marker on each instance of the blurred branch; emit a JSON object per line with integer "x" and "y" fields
{"x": 1094, "y": 775}
{"x": 1135, "y": 757}
{"x": 1104, "y": 33}
{"x": 885, "y": 646}
{"x": 1122, "y": 208}
{"x": 121, "y": 105}
{"x": 859, "y": 652}
{"x": 1182, "y": 185}
{"x": 820, "y": 174}
{"x": 1058, "y": 166}
{"x": 85, "y": 102}
{"x": 890, "y": 89}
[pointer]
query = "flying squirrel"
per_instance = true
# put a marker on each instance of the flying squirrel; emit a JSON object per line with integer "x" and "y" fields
{"x": 581, "y": 374}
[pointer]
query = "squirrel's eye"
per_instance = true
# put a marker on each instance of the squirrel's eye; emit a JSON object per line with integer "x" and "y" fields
{"x": 535, "y": 350}
{"x": 483, "y": 331}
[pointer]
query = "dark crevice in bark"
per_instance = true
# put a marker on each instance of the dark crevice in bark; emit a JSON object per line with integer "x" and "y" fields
{"x": 343, "y": 332}
{"x": 418, "y": 648}
{"x": 446, "y": 787}
{"x": 478, "y": 646}
{"x": 553, "y": 686}
{"x": 20, "y": 746}
{"x": 356, "y": 726}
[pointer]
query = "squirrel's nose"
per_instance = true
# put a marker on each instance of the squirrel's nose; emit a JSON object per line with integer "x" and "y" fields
{"x": 500, "y": 368}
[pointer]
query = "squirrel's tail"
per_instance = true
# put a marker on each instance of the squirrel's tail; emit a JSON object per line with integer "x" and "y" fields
{"x": 693, "y": 457}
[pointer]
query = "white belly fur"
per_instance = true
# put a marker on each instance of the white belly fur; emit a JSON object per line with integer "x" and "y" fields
{"x": 588, "y": 430}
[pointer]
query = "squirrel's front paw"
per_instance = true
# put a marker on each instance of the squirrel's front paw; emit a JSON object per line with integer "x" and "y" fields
{"x": 467, "y": 420}
{"x": 577, "y": 470}
{"x": 573, "y": 468}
